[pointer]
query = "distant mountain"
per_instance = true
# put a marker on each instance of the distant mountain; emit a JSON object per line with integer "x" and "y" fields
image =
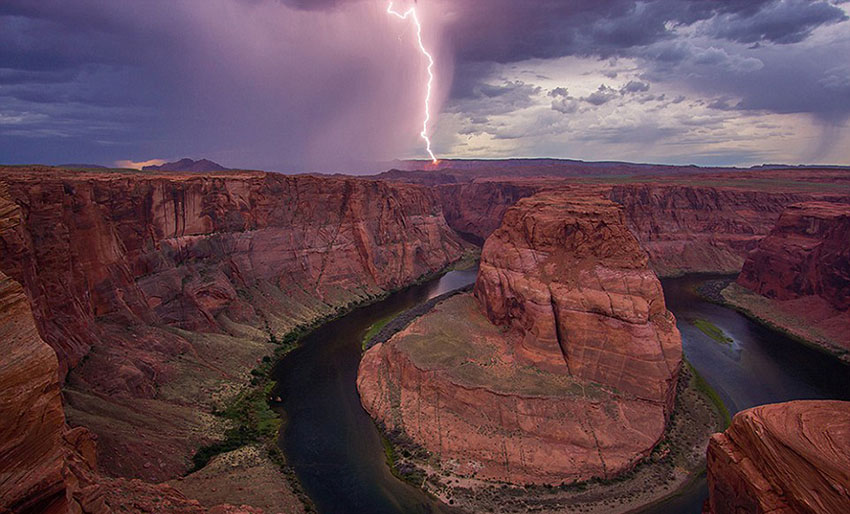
{"x": 85, "y": 166}
{"x": 187, "y": 165}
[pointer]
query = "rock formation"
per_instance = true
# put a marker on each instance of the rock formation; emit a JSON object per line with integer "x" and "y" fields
{"x": 160, "y": 292}
{"x": 798, "y": 278}
{"x": 563, "y": 365}
{"x": 684, "y": 228}
{"x": 476, "y": 209}
{"x": 806, "y": 254}
{"x": 688, "y": 228}
{"x": 782, "y": 458}
{"x": 36, "y": 448}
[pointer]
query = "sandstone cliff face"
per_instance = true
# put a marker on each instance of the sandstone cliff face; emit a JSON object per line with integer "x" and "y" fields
{"x": 476, "y": 209}
{"x": 782, "y": 458}
{"x": 160, "y": 291}
{"x": 699, "y": 229}
{"x": 683, "y": 228}
{"x": 807, "y": 253}
{"x": 36, "y": 449}
{"x": 570, "y": 277}
{"x": 190, "y": 251}
{"x": 570, "y": 372}
{"x": 798, "y": 279}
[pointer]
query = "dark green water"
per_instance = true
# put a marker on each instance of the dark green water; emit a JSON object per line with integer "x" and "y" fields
{"x": 337, "y": 453}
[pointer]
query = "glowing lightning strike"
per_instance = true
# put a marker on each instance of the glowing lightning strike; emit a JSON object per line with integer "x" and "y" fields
{"x": 411, "y": 13}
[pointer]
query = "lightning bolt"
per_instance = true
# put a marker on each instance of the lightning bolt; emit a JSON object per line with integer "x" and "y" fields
{"x": 411, "y": 13}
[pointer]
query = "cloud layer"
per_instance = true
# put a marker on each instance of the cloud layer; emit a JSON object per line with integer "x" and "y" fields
{"x": 335, "y": 84}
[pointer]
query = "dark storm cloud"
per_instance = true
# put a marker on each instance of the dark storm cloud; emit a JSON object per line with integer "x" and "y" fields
{"x": 489, "y": 99}
{"x": 259, "y": 83}
{"x": 273, "y": 83}
{"x": 313, "y": 5}
{"x": 783, "y": 22}
{"x": 513, "y": 31}
{"x": 652, "y": 31}
{"x": 634, "y": 86}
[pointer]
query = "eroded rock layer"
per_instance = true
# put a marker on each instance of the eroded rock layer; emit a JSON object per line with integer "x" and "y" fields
{"x": 688, "y": 228}
{"x": 476, "y": 209}
{"x": 782, "y": 458}
{"x": 807, "y": 253}
{"x": 798, "y": 279}
{"x": 561, "y": 367}
{"x": 34, "y": 473}
{"x": 684, "y": 228}
{"x": 160, "y": 292}
{"x": 568, "y": 275}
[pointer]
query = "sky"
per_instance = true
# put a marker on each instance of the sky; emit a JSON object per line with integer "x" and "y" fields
{"x": 338, "y": 85}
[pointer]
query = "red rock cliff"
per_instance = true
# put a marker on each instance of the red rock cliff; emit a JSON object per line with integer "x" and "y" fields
{"x": 182, "y": 251}
{"x": 798, "y": 279}
{"x": 36, "y": 448}
{"x": 807, "y": 253}
{"x": 476, "y": 209}
{"x": 165, "y": 288}
{"x": 683, "y": 228}
{"x": 782, "y": 458}
{"x": 699, "y": 229}
{"x": 579, "y": 386}
{"x": 568, "y": 275}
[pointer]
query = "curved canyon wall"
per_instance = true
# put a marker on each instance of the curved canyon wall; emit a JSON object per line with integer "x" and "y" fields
{"x": 683, "y": 228}
{"x": 807, "y": 253}
{"x": 785, "y": 457}
{"x": 189, "y": 252}
{"x": 798, "y": 279}
{"x": 561, "y": 368}
{"x": 160, "y": 292}
{"x": 700, "y": 229}
{"x": 476, "y": 209}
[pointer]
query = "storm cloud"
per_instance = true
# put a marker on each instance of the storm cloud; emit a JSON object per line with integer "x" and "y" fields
{"x": 334, "y": 84}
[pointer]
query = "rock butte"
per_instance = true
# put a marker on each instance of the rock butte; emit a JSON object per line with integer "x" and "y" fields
{"x": 561, "y": 368}
{"x": 782, "y": 458}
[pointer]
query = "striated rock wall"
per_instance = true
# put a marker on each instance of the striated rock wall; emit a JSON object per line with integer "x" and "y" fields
{"x": 189, "y": 252}
{"x": 807, "y": 253}
{"x": 37, "y": 451}
{"x": 561, "y": 368}
{"x": 476, "y": 209}
{"x": 782, "y": 458}
{"x": 568, "y": 275}
{"x": 798, "y": 279}
{"x": 160, "y": 292}
{"x": 683, "y": 228}
{"x": 699, "y": 229}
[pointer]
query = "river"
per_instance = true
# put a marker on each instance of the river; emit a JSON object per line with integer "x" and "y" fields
{"x": 337, "y": 453}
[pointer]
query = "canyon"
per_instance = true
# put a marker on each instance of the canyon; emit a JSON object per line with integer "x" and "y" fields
{"x": 701, "y": 224}
{"x": 787, "y": 457}
{"x": 136, "y": 305}
{"x": 798, "y": 278}
{"x": 561, "y": 368}
{"x": 158, "y": 294}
